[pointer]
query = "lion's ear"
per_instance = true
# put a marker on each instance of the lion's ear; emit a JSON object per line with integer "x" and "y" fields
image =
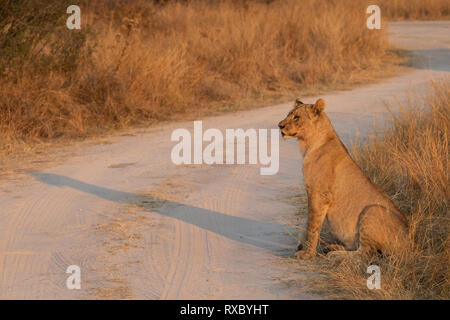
{"x": 319, "y": 106}
{"x": 298, "y": 102}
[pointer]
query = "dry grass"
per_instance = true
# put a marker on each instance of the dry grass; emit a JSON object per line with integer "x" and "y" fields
{"x": 410, "y": 162}
{"x": 138, "y": 62}
{"x": 415, "y": 9}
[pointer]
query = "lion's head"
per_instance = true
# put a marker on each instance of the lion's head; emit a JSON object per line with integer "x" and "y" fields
{"x": 302, "y": 119}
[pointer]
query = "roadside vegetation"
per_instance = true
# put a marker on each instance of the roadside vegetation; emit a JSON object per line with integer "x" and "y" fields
{"x": 410, "y": 162}
{"x": 139, "y": 62}
{"x": 415, "y": 9}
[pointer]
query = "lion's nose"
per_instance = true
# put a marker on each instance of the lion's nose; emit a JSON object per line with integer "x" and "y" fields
{"x": 281, "y": 125}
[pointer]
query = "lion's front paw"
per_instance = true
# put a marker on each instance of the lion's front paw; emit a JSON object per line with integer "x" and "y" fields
{"x": 302, "y": 254}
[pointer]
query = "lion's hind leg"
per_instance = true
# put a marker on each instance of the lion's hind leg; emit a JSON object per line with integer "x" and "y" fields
{"x": 381, "y": 230}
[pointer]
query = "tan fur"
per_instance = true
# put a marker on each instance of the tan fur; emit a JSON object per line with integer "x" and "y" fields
{"x": 360, "y": 215}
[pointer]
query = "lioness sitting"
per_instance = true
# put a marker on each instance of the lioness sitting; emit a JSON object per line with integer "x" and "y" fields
{"x": 360, "y": 215}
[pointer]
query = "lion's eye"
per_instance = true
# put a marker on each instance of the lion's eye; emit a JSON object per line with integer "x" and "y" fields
{"x": 296, "y": 117}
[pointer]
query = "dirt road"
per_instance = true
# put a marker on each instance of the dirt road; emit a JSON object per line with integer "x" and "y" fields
{"x": 140, "y": 227}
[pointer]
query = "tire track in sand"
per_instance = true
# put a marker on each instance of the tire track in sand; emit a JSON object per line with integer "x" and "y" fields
{"x": 193, "y": 246}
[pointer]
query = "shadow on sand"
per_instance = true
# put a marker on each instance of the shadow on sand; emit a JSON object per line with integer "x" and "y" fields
{"x": 432, "y": 59}
{"x": 266, "y": 235}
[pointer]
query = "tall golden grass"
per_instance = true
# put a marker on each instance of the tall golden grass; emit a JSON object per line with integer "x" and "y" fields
{"x": 410, "y": 162}
{"x": 138, "y": 61}
{"x": 415, "y": 9}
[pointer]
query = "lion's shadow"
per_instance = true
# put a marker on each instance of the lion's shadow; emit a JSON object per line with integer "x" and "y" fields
{"x": 279, "y": 238}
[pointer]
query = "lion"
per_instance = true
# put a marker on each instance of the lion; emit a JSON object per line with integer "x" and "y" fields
{"x": 361, "y": 217}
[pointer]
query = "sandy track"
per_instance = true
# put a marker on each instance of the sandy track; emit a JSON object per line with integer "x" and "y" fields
{"x": 140, "y": 227}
